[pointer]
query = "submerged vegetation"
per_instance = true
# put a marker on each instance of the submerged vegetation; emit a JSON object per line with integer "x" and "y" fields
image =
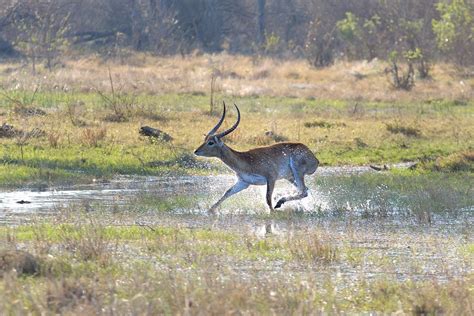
{"x": 371, "y": 242}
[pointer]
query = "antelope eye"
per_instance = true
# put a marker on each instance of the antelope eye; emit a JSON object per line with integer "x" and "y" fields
{"x": 210, "y": 143}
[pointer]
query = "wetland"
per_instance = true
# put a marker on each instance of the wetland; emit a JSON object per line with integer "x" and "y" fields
{"x": 96, "y": 218}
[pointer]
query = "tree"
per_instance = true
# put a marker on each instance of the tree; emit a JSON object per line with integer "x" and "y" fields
{"x": 41, "y": 30}
{"x": 320, "y": 43}
{"x": 261, "y": 21}
{"x": 455, "y": 30}
{"x": 7, "y": 11}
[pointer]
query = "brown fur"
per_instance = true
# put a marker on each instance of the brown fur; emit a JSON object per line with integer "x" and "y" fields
{"x": 270, "y": 162}
{"x": 260, "y": 166}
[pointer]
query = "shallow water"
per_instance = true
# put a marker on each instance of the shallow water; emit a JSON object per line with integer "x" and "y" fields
{"x": 120, "y": 191}
{"x": 344, "y": 191}
{"x": 399, "y": 227}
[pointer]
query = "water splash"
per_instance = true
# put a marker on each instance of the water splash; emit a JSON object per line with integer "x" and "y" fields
{"x": 331, "y": 191}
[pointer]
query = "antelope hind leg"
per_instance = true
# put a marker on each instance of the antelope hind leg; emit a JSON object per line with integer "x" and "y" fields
{"x": 292, "y": 198}
{"x": 298, "y": 181}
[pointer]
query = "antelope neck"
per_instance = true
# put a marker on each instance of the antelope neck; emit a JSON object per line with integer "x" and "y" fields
{"x": 231, "y": 157}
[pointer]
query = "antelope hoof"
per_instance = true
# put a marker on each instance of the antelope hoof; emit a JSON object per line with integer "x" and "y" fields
{"x": 280, "y": 203}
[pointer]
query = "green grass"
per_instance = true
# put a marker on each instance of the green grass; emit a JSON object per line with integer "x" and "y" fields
{"x": 89, "y": 267}
{"x": 389, "y": 242}
{"x": 70, "y": 153}
{"x": 398, "y": 193}
{"x": 76, "y": 164}
{"x": 388, "y": 153}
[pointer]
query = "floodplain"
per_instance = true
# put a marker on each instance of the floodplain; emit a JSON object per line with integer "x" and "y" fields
{"x": 98, "y": 219}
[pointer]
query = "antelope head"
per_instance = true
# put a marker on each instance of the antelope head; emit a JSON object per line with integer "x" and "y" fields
{"x": 212, "y": 145}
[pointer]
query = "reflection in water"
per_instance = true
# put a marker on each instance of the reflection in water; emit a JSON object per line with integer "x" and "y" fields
{"x": 267, "y": 229}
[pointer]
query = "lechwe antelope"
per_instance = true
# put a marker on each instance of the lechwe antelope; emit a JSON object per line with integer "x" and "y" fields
{"x": 260, "y": 166}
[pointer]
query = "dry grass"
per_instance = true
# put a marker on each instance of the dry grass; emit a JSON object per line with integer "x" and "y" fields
{"x": 462, "y": 161}
{"x": 241, "y": 76}
{"x": 335, "y": 134}
{"x": 93, "y": 136}
{"x": 405, "y": 130}
{"x": 103, "y": 264}
{"x": 313, "y": 246}
{"x": 53, "y": 139}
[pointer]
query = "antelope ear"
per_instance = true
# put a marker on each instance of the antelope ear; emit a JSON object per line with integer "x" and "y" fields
{"x": 218, "y": 141}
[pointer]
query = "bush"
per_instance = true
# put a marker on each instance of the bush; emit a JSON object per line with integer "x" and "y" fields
{"x": 454, "y": 30}
{"x": 20, "y": 261}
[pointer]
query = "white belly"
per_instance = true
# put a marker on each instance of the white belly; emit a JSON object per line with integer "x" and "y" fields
{"x": 251, "y": 178}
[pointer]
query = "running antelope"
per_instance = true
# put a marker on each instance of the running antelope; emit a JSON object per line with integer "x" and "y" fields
{"x": 260, "y": 166}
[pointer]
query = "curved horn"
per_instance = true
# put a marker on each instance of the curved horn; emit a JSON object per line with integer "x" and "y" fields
{"x": 215, "y": 128}
{"x": 230, "y": 130}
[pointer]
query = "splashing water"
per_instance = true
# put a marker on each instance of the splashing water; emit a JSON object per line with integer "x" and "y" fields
{"x": 330, "y": 190}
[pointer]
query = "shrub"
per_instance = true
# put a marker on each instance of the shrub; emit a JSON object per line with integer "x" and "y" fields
{"x": 92, "y": 137}
{"x": 20, "y": 261}
{"x": 453, "y": 28}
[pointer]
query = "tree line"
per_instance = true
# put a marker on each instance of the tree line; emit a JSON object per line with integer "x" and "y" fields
{"x": 322, "y": 31}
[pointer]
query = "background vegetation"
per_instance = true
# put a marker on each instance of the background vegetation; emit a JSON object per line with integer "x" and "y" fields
{"x": 420, "y": 32}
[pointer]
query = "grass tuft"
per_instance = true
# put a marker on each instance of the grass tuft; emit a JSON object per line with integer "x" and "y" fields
{"x": 93, "y": 137}
{"x": 312, "y": 247}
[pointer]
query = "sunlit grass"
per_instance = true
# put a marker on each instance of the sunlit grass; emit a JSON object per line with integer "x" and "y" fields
{"x": 80, "y": 144}
{"x": 364, "y": 244}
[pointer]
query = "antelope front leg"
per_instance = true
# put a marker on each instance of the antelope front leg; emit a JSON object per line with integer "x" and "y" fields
{"x": 236, "y": 188}
{"x": 270, "y": 187}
